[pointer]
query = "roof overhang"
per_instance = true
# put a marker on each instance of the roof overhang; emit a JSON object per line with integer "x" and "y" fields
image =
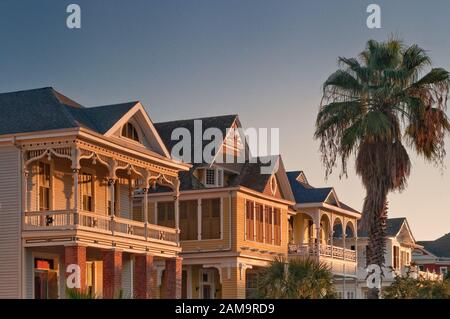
{"x": 328, "y": 207}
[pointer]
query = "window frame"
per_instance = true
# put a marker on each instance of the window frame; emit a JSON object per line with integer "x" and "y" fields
{"x": 80, "y": 189}
{"x": 134, "y": 131}
{"x": 50, "y": 188}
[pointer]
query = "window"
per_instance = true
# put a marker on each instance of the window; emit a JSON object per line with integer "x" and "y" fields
{"x": 443, "y": 270}
{"x": 93, "y": 277}
{"x": 210, "y": 177}
{"x": 129, "y": 131}
{"x": 44, "y": 186}
{"x": 396, "y": 257}
{"x": 350, "y": 295}
{"x": 277, "y": 226}
{"x": 184, "y": 284}
{"x": 249, "y": 221}
{"x": 273, "y": 185}
{"x": 86, "y": 186}
{"x": 166, "y": 214}
{"x": 188, "y": 220}
{"x": 268, "y": 225}
{"x": 251, "y": 285}
{"x": 421, "y": 268}
{"x": 45, "y": 279}
{"x": 214, "y": 177}
{"x": 259, "y": 223}
{"x": 211, "y": 218}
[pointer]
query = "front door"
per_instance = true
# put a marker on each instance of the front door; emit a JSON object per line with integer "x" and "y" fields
{"x": 207, "y": 288}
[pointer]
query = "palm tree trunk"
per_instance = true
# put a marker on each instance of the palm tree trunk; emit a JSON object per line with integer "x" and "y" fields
{"x": 375, "y": 210}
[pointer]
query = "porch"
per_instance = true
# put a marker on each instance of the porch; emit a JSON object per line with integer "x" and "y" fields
{"x": 327, "y": 236}
{"x": 52, "y": 272}
{"x": 86, "y": 207}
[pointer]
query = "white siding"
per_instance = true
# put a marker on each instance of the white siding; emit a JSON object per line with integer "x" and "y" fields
{"x": 10, "y": 221}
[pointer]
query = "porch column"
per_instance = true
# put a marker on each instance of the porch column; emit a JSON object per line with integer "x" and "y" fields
{"x": 177, "y": 216}
{"x": 75, "y": 172}
{"x": 177, "y": 208}
{"x": 145, "y": 212}
{"x": 318, "y": 232}
{"x": 199, "y": 219}
{"x": 76, "y": 195}
{"x": 111, "y": 183}
{"x": 112, "y": 273}
{"x": 143, "y": 276}
{"x": 26, "y": 174}
{"x": 171, "y": 288}
{"x": 74, "y": 257}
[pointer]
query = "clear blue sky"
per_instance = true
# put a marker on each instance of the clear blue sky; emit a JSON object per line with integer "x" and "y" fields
{"x": 265, "y": 60}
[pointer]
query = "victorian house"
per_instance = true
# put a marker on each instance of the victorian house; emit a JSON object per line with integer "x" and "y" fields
{"x": 233, "y": 215}
{"x": 400, "y": 245}
{"x": 70, "y": 179}
{"x": 325, "y": 229}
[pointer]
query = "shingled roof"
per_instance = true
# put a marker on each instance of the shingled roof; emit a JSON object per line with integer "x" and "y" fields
{"x": 46, "y": 109}
{"x": 393, "y": 226}
{"x": 249, "y": 173}
{"x": 305, "y": 193}
{"x": 439, "y": 247}
{"x": 165, "y": 129}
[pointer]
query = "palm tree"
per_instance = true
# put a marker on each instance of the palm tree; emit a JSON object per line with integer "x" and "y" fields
{"x": 372, "y": 107}
{"x": 296, "y": 279}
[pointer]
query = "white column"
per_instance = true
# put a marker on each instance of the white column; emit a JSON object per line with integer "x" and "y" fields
{"x": 318, "y": 232}
{"x": 254, "y": 221}
{"x": 199, "y": 219}
{"x": 111, "y": 183}
{"x": 177, "y": 216}
{"x": 76, "y": 195}
{"x": 264, "y": 223}
{"x": 26, "y": 174}
{"x": 272, "y": 212}
{"x": 145, "y": 212}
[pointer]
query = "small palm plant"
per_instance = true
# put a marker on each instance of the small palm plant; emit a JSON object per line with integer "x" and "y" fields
{"x": 79, "y": 294}
{"x": 296, "y": 279}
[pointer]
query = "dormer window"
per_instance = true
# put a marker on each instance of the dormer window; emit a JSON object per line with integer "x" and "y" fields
{"x": 129, "y": 131}
{"x": 213, "y": 177}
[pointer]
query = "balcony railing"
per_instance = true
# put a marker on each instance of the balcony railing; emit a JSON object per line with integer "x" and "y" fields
{"x": 315, "y": 249}
{"x": 70, "y": 220}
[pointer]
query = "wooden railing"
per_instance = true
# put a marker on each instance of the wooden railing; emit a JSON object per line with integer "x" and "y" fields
{"x": 314, "y": 249}
{"x": 69, "y": 219}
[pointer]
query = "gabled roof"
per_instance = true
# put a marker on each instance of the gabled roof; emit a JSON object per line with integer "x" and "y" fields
{"x": 46, "y": 109}
{"x": 305, "y": 193}
{"x": 393, "y": 227}
{"x": 165, "y": 129}
{"x": 439, "y": 247}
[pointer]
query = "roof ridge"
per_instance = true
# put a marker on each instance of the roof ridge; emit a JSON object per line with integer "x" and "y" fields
{"x": 28, "y": 90}
{"x": 109, "y": 105}
{"x": 199, "y": 118}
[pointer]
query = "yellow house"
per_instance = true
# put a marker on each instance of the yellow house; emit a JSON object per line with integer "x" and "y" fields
{"x": 233, "y": 218}
{"x": 68, "y": 179}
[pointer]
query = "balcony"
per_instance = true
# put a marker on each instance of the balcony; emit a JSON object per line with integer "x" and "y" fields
{"x": 51, "y": 225}
{"x": 313, "y": 249}
{"x": 341, "y": 262}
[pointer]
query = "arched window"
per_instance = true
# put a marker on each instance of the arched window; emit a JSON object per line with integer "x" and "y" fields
{"x": 129, "y": 131}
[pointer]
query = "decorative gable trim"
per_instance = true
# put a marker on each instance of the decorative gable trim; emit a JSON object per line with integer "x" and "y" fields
{"x": 138, "y": 108}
